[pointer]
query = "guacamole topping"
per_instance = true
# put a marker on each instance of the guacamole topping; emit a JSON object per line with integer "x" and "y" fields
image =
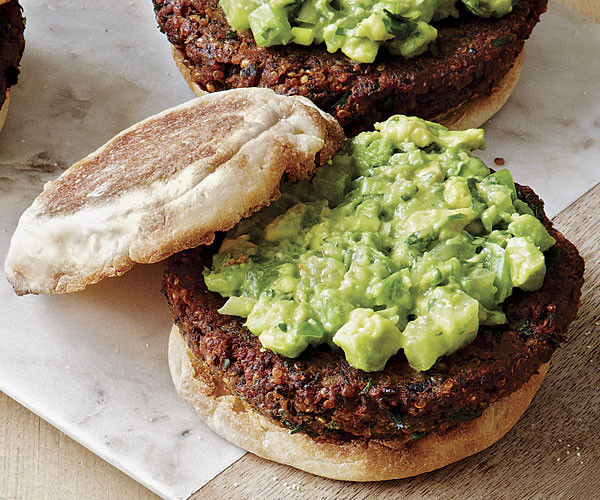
{"x": 404, "y": 242}
{"x": 356, "y": 27}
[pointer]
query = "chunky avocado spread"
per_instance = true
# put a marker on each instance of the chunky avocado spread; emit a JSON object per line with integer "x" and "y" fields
{"x": 356, "y": 27}
{"x": 405, "y": 241}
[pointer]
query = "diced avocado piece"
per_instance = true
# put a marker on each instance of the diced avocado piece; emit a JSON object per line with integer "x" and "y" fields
{"x": 491, "y": 317}
{"x": 455, "y": 221}
{"x": 451, "y": 323}
{"x": 368, "y": 340}
{"x": 476, "y": 228}
{"x": 471, "y": 139}
{"x": 417, "y": 42}
{"x": 373, "y": 28}
{"x": 333, "y": 308}
{"x": 457, "y": 314}
{"x": 273, "y": 321}
{"x": 430, "y": 172}
{"x": 362, "y": 283}
{"x": 370, "y": 207}
{"x": 287, "y": 225}
{"x": 496, "y": 194}
{"x": 323, "y": 271}
{"x": 456, "y": 193}
{"x": 526, "y": 261}
{"x": 369, "y": 185}
{"x": 487, "y": 8}
{"x": 420, "y": 341}
{"x": 310, "y": 328}
{"x": 269, "y": 312}
{"x": 286, "y": 343}
{"x": 401, "y": 129}
{"x": 496, "y": 261}
{"x": 400, "y": 191}
{"x": 523, "y": 208}
{"x": 283, "y": 326}
{"x": 226, "y": 281}
{"x": 498, "y": 237}
{"x": 360, "y": 223}
{"x": 469, "y": 167}
{"x": 285, "y": 284}
{"x": 503, "y": 177}
{"x": 480, "y": 285}
{"x": 333, "y": 40}
{"x": 392, "y": 290}
{"x": 360, "y": 49}
{"x": 490, "y": 217}
{"x": 527, "y": 226}
{"x": 270, "y": 26}
{"x": 302, "y": 36}
{"x": 308, "y": 13}
{"x": 237, "y": 306}
{"x": 237, "y": 12}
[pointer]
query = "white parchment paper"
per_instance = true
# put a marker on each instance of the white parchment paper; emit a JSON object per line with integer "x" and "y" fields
{"x": 94, "y": 363}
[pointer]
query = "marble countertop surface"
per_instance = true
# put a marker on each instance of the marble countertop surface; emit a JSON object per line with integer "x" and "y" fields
{"x": 94, "y": 363}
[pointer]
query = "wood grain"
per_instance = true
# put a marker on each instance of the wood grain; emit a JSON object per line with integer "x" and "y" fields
{"x": 589, "y": 8}
{"x": 39, "y": 462}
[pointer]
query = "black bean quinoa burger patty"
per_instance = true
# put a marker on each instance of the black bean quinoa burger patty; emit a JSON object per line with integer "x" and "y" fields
{"x": 320, "y": 394}
{"x": 471, "y": 57}
{"x": 12, "y": 44}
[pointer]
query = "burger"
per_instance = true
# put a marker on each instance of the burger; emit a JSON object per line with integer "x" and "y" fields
{"x": 454, "y": 62}
{"x": 372, "y": 336}
{"x": 391, "y": 313}
{"x": 12, "y": 44}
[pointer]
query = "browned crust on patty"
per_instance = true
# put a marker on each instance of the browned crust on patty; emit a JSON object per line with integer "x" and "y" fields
{"x": 469, "y": 62}
{"x": 322, "y": 395}
{"x": 475, "y": 112}
{"x": 470, "y": 114}
{"x": 12, "y": 44}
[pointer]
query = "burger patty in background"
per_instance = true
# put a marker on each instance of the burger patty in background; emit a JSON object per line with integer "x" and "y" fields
{"x": 12, "y": 43}
{"x": 471, "y": 56}
{"x": 320, "y": 394}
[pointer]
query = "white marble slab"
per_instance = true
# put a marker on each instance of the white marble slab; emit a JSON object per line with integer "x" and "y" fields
{"x": 549, "y": 132}
{"x": 94, "y": 363}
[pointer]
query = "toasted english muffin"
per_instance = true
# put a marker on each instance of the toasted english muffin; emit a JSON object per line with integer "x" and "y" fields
{"x": 166, "y": 184}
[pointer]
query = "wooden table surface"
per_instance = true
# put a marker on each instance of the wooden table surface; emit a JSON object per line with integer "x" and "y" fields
{"x": 547, "y": 453}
